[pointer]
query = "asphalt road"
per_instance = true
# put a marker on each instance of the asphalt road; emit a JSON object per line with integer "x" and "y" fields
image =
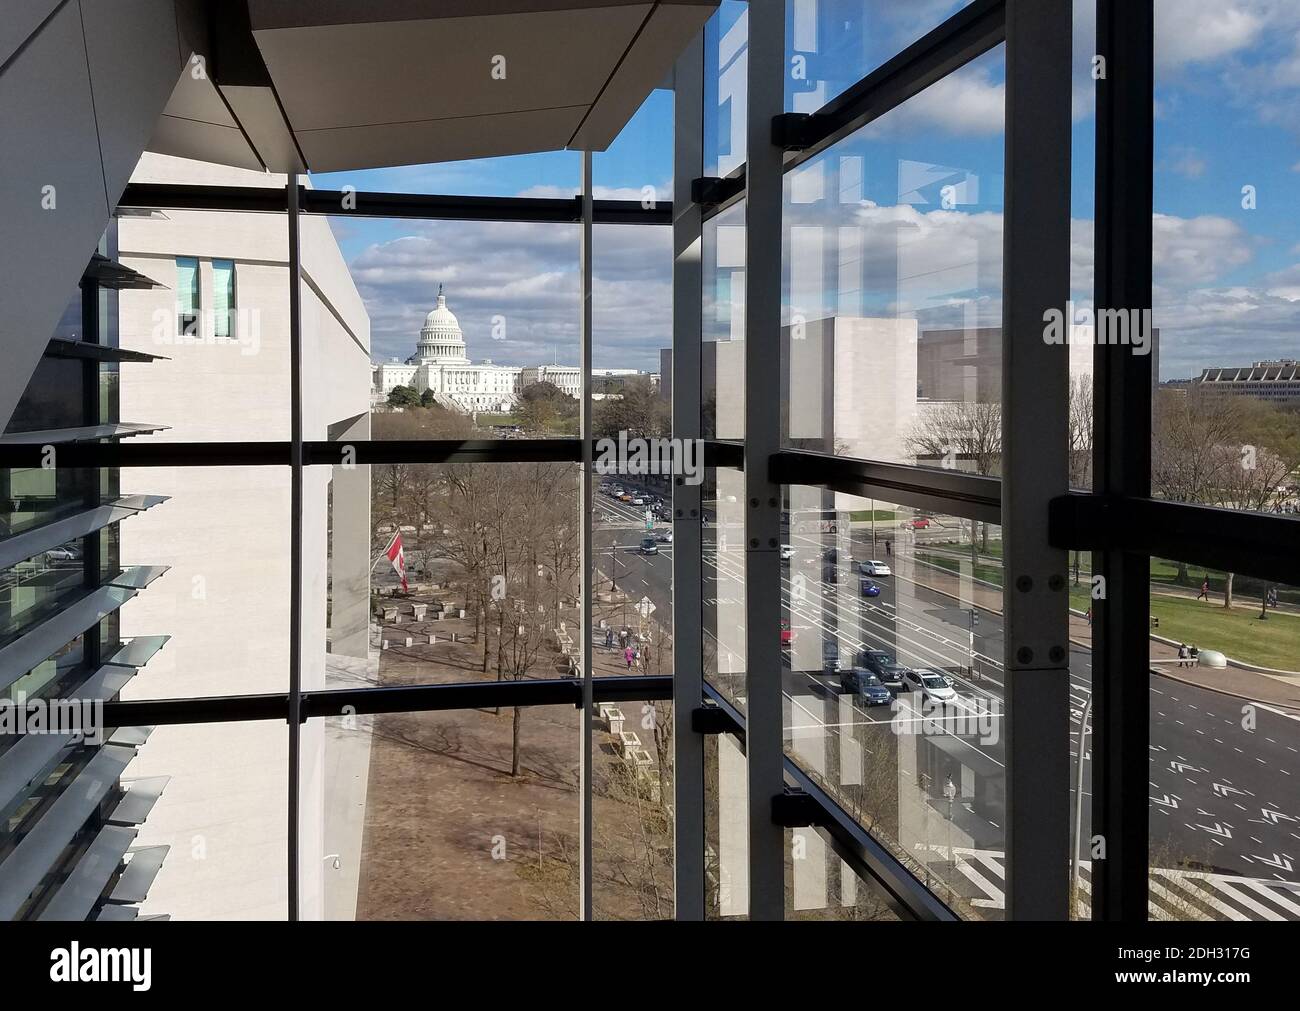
{"x": 1223, "y": 792}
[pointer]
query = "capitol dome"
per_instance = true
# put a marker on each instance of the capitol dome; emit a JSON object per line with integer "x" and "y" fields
{"x": 441, "y": 339}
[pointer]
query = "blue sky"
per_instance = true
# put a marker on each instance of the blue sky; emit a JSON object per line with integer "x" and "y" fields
{"x": 1227, "y": 277}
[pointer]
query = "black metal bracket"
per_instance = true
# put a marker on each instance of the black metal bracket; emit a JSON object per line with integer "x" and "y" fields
{"x": 795, "y": 809}
{"x": 712, "y": 720}
{"x": 1262, "y": 545}
{"x": 790, "y": 131}
{"x": 709, "y": 191}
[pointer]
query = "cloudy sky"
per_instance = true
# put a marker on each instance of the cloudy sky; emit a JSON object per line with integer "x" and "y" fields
{"x": 904, "y": 218}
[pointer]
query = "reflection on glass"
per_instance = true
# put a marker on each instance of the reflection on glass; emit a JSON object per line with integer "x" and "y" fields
{"x": 830, "y": 44}
{"x": 892, "y": 340}
{"x": 722, "y": 353}
{"x": 726, "y": 63}
{"x": 723, "y": 604}
{"x": 726, "y": 829}
{"x": 821, "y": 886}
{"x": 894, "y": 682}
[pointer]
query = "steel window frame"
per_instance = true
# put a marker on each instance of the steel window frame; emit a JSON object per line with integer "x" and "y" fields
{"x": 1035, "y": 407}
{"x": 764, "y": 695}
{"x": 689, "y": 884}
{"x": 1122, "y": 392}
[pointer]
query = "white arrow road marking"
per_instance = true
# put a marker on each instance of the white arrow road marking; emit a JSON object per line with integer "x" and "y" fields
{"x": 1165, "y": 801}
{"x": 1182, "y": 767}
{"x": 1218, "y": 830}
{"x": 1273, "y": 816}
{"x": 1280, "y": 862}
{"x": 1222, "y": 789}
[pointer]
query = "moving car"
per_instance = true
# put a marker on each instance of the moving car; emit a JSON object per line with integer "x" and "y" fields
{"x": 932, "y": 684}
{"x": 874, "y": 568}
{"x": 787, "y": 552}
{"x": 882, "y": 664}
{"x": 920, "y": 523}
{"x": 870, "y": 588}
{"x": 664, "y": 537}
{"x": 830, "y": 656}
{"x": 638, "y": 501}
{"x": 649, "y": 546}
{"x": 866, "y": 686}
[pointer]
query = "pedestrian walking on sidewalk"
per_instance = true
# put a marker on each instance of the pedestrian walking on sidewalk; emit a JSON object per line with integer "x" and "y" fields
{"x": 609, "y": 638}
{"x": 629, "y": 656}
{"x": 1205, "y": 591}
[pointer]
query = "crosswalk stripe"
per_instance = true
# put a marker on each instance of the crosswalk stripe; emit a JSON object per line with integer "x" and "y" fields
{"x": 1173, "y": 894}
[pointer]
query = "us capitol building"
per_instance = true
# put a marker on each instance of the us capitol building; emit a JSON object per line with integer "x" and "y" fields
{"x": 441, "y": 364}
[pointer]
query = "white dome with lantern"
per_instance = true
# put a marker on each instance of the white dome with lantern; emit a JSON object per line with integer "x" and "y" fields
{"x": 441, "y": 338}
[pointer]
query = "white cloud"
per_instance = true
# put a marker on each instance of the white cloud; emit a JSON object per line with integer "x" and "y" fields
{"x": 1201, "y": 31}
{"x": 526, "y": 273}
{"x": 965, "y": 103}
{"x": 1197, "y": 251}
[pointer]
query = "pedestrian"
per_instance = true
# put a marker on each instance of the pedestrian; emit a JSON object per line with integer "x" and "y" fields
{"x": 1089, "y": 615}
{"x": 888, "y": 549}
{"x": 1205, "y": 590}
{"x": 622, "y": 637}
{"x": 628, "y": 656}
{"x": 1272, "y": 596}
{"x": 609, "y": 637}
{"x": 1184, "y": 654}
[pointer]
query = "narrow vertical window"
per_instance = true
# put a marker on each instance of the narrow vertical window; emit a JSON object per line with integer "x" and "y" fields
{"x": 223, "y": 298}
{"x": 187, "y": 296}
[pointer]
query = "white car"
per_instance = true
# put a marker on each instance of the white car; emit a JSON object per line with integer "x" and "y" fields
{"x": 932, "y": 684}
{"x": 787, "y": 552}
{"x": 639, "y": 501}
{"x": 874, "y": 568}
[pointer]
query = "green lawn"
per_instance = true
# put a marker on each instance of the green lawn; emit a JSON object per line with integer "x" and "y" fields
{"x": 1237, "y": 632}
{"x": 962, "y": 566}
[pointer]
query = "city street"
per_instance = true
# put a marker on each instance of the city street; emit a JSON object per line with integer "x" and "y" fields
{"x": 1225, "y": 818}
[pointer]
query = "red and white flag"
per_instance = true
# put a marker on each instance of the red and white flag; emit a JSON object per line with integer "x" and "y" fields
{"x": 397, "y": 558}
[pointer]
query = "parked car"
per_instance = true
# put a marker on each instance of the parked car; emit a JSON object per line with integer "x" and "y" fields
{"x": 932, "y": 684}
{"x": 787, "y": 634}
{"x": 870, "y": 588}
{"x": 869, "y": 689}
{"x": 787, "y": 552}
{"x": 883, "y": 664}
{"x": 63, "y": 554}
{"x": 638, "y": 501}
{"x": 874, "y": 568}
{"x": 649, "y": 546}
